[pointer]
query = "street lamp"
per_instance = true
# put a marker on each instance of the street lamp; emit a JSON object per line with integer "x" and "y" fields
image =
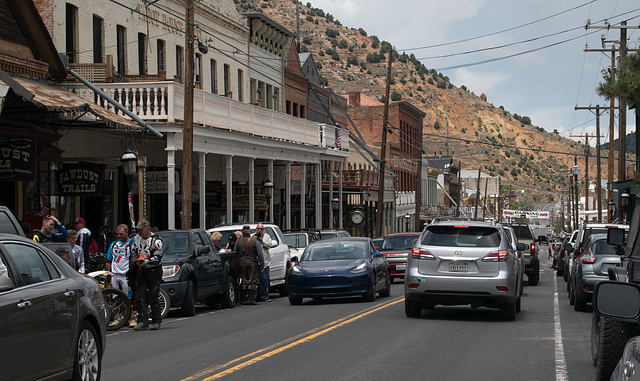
{"x": 129, "y": 162}
{"x": 612, "y": 209}
{"x": 268, "y": 191}
{"x": 625, "y": 202}
{"x": 407, "y": 217}
{"x": 335, "y": 205}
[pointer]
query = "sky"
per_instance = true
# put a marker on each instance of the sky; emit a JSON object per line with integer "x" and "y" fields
{"x": 548, "y": 73}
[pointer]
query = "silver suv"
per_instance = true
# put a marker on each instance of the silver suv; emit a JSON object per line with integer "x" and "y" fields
{"x": 463, "y": 262}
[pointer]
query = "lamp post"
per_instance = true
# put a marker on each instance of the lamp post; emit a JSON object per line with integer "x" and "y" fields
{"x": 129, "y": 162}
{"x": 407, "y": 217}
{"x": 625, "y": 203}
{"x": 335, "y": 205}
{"x": 612, "y": 209}
{"x": 268, "y": 191}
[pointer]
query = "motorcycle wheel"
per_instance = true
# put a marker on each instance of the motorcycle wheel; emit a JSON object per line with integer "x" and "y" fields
{"x": 118, "y": 308}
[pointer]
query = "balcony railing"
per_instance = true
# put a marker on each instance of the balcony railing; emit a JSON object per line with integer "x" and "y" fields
{"x": 352, "y": 178}
{"x": 164, "y": 102}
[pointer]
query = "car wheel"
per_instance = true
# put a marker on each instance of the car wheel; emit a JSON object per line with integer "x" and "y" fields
{"x": 118, "y": 308}
{"x": 579, "y": 304}
{"x": 564, "y": 274}
{"x": 370, "y": 296}
{"x": 595, "y": 337}
{"x": 613, "y": 337}
{"x": 88, "y": 355}
{"x": 387, "y": 290}
{"x": 559, "y": 272}
{"x": 518, "y": 303}
{"x": 228, "y": 297}
{"x": 412, "y": 308}
{"x": 295, "y": 300}
{"x": 188, "y": 307}
{"x": 282, "y": 290}
{"x": 572, "y": 295}
{"x": 165, "y": 303}
{"x": 508, "y": 311}
{"x": 534, "y": 277}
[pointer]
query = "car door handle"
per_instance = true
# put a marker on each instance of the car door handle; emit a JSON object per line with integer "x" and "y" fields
{"x": 24, "y": 304}
{"x": 69, "y": 293}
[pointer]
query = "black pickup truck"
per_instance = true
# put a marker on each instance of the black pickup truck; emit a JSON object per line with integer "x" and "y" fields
{"x": 193, "y": 272}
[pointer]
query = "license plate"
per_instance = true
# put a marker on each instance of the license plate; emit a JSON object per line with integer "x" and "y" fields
{"x": 401, "y": 267}
{"x": 458, "y": 268}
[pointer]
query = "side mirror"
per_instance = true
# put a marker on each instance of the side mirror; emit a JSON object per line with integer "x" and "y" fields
{"x": 6, "y": 284}
{"x": 521, "y": 246}
{"x": 203, "y": 250}
{"x": 615, "y": 236}
{"x": 618, "y": 300}
{"x": 274, "y": 243}
{"x": 568, "y": 247}
{"x": 295, "y": 259}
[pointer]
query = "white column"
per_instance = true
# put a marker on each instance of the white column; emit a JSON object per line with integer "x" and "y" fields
{"x": 171, "y": 182}
{"x": 303, "y": 203}
{"x": 331, "y": 216}
{"x": 340, "y": 211}
{"x": 287, "y": 192}
{"x": 273, "y": 180}
{"x": 318, "y": 195}
{"x": 202, "y": 166}
{"x": 252, "y": 181}
{"x": 229, "y": 215}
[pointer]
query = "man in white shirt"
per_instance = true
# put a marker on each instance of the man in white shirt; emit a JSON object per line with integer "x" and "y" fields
{"x": 118, "y": 257}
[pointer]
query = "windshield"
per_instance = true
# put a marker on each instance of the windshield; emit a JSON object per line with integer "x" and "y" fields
{"x": 328, "y": 251}
{"x": 461, "y": 236}
{"x": 175, "y": 243}
{"x": 522, "y": 231}
{"x": 295, "y": 240}
{"x": 398, "y": 243}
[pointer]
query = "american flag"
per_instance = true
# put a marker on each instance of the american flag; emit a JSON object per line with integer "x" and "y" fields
{"x": 338, "y": 137}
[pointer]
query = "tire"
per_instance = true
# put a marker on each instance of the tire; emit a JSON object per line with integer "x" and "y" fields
{"x": 412, "y": 308}
{"x": 370, "y": 296}
{"x": 87, "y": 362}
{"x": 559, "y": 272}
{"x": 613, "y": 337}
{"x": 282, "y": 290}
{"x": 229, "y": 294}
{"x": 579, "y": 304}
{"x": 118, "y": 308}
{"x": 295, "y": 300}
{"x": 595, "y": 337}
{"x": 188, "y": 307}
{"x": 386, "y": 292}
{"x": 519, "y": 304}
{"x": 564, "y": 274}
{"x": 572, "y": 295}
{"x": 534, "y": 277}
{"x": 165, "y": 303}
{"x": 508, "y": 311}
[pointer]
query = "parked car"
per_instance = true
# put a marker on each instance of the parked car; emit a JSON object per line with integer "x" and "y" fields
{"x": 568, "y": 246}
{"x": 377, "y": 242}
{"x": 395, "y": 248}
{"x": 333, "y": 233}
{"x": 280, "y": 256}
{"x": 531, "y": 260}
{"x": 299, "y": 239}
{"x": 513, "y": 240}
{"x": 53, "y": 318}
{"x": 9, "y": 223}
{"x": 192, "y": 271}
{"x": 337, "y": 267}
{"x": 463, "y": 262}
{"x": 592, "y": 267}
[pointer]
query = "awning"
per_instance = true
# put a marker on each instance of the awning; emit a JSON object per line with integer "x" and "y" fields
{"x": 54, "y": 99}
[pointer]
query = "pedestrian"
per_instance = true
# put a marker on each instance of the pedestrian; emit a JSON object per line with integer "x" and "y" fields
{"x": 84, "y": 239}
{"x": 146, "y": 260}
{"x": 263, "y": 276}
{"x": 231, "y": 245}
{"x": 45, "y": 235}
{"x": 76, "y": 252}
{"x": 249, "y": 255}
{"x": 216, "y": 237}
{"x": 118, "y": 258}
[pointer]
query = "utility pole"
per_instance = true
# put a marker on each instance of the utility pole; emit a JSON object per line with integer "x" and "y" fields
{"x": 383, "y": 151}
{"x": 418, "y": 227}
{"x": 446, "y": 118}
{"x": 475, "y": 213}
{"x": 187, "y": 131}
{"x": 576, "y": 198}
{"x": 598, "y": 168}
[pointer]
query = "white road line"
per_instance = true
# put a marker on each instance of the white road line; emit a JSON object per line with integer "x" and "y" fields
{"x": 561, "y": 364}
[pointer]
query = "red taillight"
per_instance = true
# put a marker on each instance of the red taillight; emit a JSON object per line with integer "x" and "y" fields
{"x": 414, "y": 285}
{"x": 496, "y": 256}
{"x": 533, "y": 248}
{"x": 588, "y": 259}
{"x": 587, "y": 288}
{"x": 421, "y": 254}
{"x": 502, "y": 288}
{"x": 461, "y": 226}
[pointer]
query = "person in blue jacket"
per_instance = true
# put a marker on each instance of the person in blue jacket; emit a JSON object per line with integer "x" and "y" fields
{"x": 45, "y": 234}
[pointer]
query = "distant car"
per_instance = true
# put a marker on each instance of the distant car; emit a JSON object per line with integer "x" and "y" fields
{"x": 377, "y": 242}
{"x": 395, "y": 248}
{"x": 53, "y": 323}
{"x": 463, "y": 262}
{"x": 299, "y": 239}
{"x": 337, "y": 267}
{"x": 592, "y": 267}
{"x": 333, "y": 233}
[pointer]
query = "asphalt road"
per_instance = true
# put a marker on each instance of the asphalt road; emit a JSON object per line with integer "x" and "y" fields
{"x": 347, "y": 339}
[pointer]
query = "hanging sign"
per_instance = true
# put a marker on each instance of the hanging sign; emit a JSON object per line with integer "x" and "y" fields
{"x": 84, "y": 179}
{"x": 525, "y": 213}
{"x": 17, "y": 159}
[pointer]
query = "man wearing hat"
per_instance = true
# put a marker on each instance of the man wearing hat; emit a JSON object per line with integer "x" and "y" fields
{"x": 249, "y": 255}
{"x": 146, "y": 262}
{"x": 83, "y": 239}
{"x": 231, "y": 245}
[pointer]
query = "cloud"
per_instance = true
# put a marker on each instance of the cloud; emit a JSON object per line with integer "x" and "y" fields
{"x": 479, "y": 82}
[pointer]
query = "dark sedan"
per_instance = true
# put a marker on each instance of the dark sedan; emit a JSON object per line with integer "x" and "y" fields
{"x": 52, "y": 319}
{"x": 346, "y": 266}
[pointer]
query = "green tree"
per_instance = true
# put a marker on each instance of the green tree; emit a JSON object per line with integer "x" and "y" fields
{"x": 626, "y": 84}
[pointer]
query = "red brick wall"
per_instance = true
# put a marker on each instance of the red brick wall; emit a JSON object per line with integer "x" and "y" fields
{"x": 45, "y": 7}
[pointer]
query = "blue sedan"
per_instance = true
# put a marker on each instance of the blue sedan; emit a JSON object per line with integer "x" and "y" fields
{"x": 345, "y": 266}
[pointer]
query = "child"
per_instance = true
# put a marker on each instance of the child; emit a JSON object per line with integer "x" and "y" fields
{"x": 76, "y": 251}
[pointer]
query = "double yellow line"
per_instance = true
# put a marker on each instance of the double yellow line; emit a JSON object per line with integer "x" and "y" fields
{"x": 239, "y": 363}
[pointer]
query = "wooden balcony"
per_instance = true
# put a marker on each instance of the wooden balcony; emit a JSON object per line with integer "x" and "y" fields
{"x": 352, "y": 179}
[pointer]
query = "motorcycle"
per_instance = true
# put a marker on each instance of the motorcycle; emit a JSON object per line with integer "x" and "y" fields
{"x": 119, "y": 305}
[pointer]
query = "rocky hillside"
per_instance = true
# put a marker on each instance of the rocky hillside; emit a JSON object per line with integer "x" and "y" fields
{"x": 481, "y": 134}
